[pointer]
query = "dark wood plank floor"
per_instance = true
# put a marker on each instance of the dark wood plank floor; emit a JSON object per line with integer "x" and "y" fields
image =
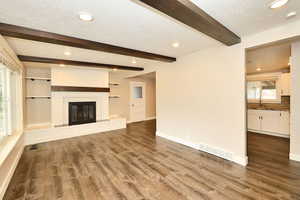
{"x": 132, "y": 164}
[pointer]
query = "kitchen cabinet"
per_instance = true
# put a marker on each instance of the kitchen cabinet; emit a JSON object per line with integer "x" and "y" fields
{"x": 269, "y": 122}
{"x": 285, "y": 84}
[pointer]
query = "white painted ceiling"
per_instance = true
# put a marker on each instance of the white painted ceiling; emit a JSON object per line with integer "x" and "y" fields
{"x": 268, "y": 58}
{"x": 130, "y": 24}
{"x": 246, "y": 17}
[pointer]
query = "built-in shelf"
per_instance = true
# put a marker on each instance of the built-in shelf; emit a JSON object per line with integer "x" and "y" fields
{"x": 114, "y": 96}
{"x": 38, "y": 78}
{"x": 114, "y": 84}
{"x": 38, "y": 97}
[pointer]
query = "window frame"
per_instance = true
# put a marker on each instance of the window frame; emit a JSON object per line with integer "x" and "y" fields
{"x": 275, "y": 101}
{"x": 11, "y": 102}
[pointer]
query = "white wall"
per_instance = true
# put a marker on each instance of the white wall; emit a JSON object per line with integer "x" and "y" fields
{"x": 80, "y": 77}
{"x": 200, "y": 100}
{"x": 295, "y": 103}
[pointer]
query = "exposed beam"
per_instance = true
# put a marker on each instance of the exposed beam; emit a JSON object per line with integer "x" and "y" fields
{"x": 53, "y": 38}
{"x": 76, "y": 63}
{"x": 78, "y": 89}
{"x": 188, "y": 13}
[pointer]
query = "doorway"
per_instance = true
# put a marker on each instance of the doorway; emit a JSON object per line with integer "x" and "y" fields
{"x": 137, "y": 101}
{"x": 268, "y": 92}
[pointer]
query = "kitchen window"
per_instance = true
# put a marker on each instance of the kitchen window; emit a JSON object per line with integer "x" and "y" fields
{"x": 263, "y": 91}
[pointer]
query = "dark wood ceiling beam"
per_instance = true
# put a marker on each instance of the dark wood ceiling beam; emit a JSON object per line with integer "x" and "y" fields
{"x": 76, "y": 63}
{"x": 53, "y": 38}
{"x": 190, "y": 14}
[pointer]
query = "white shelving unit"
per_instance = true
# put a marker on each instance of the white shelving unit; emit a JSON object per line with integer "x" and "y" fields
{"x": 114, "y": 96}
{"x": 38, "y": 96}
{"x": 114, "y": 84}
{"x": 38, "y": 78}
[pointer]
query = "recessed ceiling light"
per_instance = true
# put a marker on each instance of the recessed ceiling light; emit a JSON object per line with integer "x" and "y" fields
{"x": 278, "y": 3}
{"x": 291, "y": 14}
{"x": 133, "y": 61}
{"x": 84, "y": 16}
{"x": 67, "y": 53}
{"x": 176, "y": 44}
{"x": 115, "y": 69}
{"x": 62, "y": 65}
{"x": 258, "y": 69}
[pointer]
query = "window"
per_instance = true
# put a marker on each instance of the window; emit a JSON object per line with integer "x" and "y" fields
{"x": 8, "y": 97}
{"x": 265, "y": 91}
{"x": 138, "y": 92}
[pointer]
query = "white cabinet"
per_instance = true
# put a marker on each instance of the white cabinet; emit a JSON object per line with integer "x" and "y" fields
{"x": 285, "y": 84}
{"x": 254, "y": 122}
{"x": 268, "y": 121}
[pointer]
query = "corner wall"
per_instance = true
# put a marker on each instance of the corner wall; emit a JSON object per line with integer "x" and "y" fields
{"x": 201, "y": 102}
{"x": 295, "y": 103}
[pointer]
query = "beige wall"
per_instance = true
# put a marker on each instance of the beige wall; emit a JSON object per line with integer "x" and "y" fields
{"x": 120, "y": 106}
{"x": 193, "y": 98}
{"x": 81, "y": 77}
{"x": 295, "y": 102}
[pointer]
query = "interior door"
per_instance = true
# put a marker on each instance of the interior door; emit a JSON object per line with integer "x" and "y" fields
{"x": 137, "y": 101}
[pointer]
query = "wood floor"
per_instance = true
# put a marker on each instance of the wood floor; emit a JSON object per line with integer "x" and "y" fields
{"x": 132, "y": 164}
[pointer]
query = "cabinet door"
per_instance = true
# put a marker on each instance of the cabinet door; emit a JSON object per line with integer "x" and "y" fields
{"x": 270, "y": 121}
{"x": 254, "y": 121}
{"x": 285, "y": 85}
{"x": 284, "y": 123}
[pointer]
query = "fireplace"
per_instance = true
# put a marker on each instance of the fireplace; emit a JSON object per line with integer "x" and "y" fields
{"x": 82, "y": 112}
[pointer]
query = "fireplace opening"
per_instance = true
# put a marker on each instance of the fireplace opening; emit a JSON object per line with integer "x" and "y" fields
{"x": 82, "y": 112}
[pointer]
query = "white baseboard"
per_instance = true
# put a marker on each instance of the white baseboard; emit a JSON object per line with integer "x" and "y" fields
{"x": 150, "y": 118}
{"x": 208, "y": 149}
{"x": 295, "y": 157}
{"x": 269, "y": 133}
{"x": 30, "y": 126}
{"x": 178, "y": 140}
{"x": 10, "y": 173}
{"x": 58, "y": 133}
{"x": 147, "y": 119}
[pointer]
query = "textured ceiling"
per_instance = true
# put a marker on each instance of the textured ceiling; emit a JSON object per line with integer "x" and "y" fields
{"x": 130, "y": 24}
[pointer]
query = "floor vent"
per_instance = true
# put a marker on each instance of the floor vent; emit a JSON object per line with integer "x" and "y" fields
{"x": 216, "y": 151}
{"x": 33, "y": 147}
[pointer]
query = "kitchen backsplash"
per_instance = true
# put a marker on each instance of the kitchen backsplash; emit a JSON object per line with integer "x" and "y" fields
{"x": 284, "y": 105}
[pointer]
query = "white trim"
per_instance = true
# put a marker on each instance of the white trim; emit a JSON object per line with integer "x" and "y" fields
{"x": 57, "y": 133}
{"x": 208, "y": 149}
{"x": 150, "y": 118}
{"x": 8, "y": 144}
{"x": 10, "y": 173}
{"x": 40, "y": 125}
{"x": 295, "y": 157}
{"x": 269, "y": 133}
{"x": 178, "y": 140}
{"x": 147, "y": 119}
